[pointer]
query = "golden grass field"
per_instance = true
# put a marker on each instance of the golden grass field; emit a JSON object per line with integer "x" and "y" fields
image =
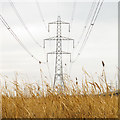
{"x": 60, "y": 107}
{"x": 73, "y": 102}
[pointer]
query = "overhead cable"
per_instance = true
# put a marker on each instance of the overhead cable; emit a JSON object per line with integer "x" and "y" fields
{"x": 21, "y": 20}
{"x": 97, "y": 10}
{"x": 16, "y": 38}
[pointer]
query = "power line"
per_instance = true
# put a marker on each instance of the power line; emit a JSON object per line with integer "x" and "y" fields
{"x": 90, "y": 27}
{"x": 40, "y": 13}
{"x": 16, "y": 38}
{"x": 97, "y": 10}
{"x": 87, "y": 21}
{"x": 85, "y": 27}
{"x": 71, "y": 21}
{"x": 43, "y": 20}
{"x": 21, "y": 20}
{"x": 72, "y": 18}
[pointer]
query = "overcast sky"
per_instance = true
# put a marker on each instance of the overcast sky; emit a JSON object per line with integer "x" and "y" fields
{"x": 101, "y": 45}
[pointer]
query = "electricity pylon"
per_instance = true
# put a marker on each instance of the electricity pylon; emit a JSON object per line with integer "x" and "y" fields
{"x": 58, "y": 77}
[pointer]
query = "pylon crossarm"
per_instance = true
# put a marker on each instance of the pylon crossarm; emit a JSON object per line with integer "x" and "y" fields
{"x": 56, "y": 22}
{"x": 49, "y": 25}
{"x": 60, "y": 53}
{"x": 62, "y": 38}
{"x": 55, "y": 38}
{"x": 66, "y": 23}
{"x": 67, "y": 53}
{"x": 52, "y": 23}
{"x": 62, "y": 22}
{"x": 51, "y": 38}
{"x": 65, "y": 38}
{"x": 50, "y": 53}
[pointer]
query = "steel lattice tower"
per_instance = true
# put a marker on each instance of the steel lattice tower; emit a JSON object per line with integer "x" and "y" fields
{"x": 58, "y": 65}
{"x": 58, "y": 77}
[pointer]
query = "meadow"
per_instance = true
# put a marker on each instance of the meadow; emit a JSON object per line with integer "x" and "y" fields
{"x": 92, "y": 100}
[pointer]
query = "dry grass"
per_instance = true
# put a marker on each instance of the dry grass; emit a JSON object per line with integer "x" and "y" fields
{"x": 60, "y": 107}
{"x": 74, "y": 102}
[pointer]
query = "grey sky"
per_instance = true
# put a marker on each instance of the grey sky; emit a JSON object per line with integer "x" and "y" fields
{"x": 101, "y": 45}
